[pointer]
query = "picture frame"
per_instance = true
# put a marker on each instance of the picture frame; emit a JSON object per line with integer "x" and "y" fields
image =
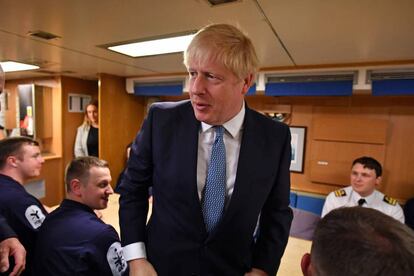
{"x": 298, "y": 142}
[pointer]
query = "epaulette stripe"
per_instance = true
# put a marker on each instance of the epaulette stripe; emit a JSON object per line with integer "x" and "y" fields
{"x": 340, "y": 193}
{"x": 390, "y": 200}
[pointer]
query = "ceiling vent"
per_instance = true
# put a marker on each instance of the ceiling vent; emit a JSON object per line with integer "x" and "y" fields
{"x": 390, "y": 75}
{"x": 43, "y": 35}
{"x": 220, "y": 2}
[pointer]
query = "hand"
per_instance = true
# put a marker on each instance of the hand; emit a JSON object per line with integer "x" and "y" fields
{"x": 11, "y": 247}
{"x": 256, "y": 272}
{"x": 141, "y": 267}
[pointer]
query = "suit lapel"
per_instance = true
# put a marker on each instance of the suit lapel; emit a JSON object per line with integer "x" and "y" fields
{"x": 188, "y": 151}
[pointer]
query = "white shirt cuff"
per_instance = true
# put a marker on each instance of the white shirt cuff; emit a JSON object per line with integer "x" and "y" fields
{"x": 134, "y": 251}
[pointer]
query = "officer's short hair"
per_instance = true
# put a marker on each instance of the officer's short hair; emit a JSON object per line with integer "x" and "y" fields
{"x": 223, "y": 43}
{"x": 12, "y": 146}
{"x": 79, "y": 168}
{"x": 370, "y": 163}
{"x": 362, "y": 241}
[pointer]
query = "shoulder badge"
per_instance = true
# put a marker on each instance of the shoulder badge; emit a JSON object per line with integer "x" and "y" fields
{"x": 116, "y": 259}
{"x": 34, "y": 216}
{"x": 340, "y": 193}
{"x": 390, "y": 200}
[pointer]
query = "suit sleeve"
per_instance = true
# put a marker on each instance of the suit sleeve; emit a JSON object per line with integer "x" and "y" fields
{"x": 134, "y": 187}
{"x": 276, "y": 216}
{"x": 78, "y": 149}
{"x": 5, "y": 230}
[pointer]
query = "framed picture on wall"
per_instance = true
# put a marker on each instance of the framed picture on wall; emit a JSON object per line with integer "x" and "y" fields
{"x": 298, "y": 139}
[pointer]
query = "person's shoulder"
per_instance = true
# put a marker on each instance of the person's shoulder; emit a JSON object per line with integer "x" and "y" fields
{"x": 104, "y": 234}
{"x": 260, "y": 119}
{"x": 339, "y": 194}
{"x": 390, "y": 201}
{"x": 169, "y": 105}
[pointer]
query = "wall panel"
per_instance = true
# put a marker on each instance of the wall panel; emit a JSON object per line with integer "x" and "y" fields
{"x": 120, "y": 115}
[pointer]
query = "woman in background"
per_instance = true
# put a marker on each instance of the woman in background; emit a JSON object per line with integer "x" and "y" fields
{"x": 87, "y": 142}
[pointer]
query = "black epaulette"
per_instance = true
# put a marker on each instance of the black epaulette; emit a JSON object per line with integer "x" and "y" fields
{"x": 390, "y": 200}
{"x": 340, "y": 193}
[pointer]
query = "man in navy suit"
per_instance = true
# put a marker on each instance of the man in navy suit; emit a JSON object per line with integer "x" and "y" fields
{"x": 172, "y": 155}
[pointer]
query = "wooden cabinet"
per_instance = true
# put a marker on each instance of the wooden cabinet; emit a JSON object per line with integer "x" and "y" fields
{"x": 340, "y": 139}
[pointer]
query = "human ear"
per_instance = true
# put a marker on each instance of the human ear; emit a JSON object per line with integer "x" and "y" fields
{"x": 247, "y": 82}
{"x": 75, "y": 187}
{"x": 305, "y": 265}
{"x": 12, "y": 161}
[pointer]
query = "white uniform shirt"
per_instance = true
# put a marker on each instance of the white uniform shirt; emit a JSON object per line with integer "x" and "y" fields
{"x": 347, "y": 197}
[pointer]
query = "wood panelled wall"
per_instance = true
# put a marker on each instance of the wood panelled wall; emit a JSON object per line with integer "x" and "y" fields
{"x": 396, "y": 112}
{"x": 52, "y": 168}
{"x": 120, "y": 116}
{"x": 71, "y": 120}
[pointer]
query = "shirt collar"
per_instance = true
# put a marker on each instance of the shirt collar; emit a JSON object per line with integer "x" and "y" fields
{"x": 233, "y": 126}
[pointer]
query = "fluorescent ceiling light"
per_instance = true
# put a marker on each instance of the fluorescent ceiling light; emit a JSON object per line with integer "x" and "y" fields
{"x": 12, "y": 66}
{"x": 154, "y": 47}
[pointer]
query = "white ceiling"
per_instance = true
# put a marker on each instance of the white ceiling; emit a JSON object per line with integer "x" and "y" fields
{"x": 286, "y": 33}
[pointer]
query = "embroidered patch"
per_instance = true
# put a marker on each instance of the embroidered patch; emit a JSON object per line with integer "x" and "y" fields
{"x": 116, "y": 260}
{"x": 340, "y": 193}
{"x": 34, "y": 216}
{"x": 390, "y": 200}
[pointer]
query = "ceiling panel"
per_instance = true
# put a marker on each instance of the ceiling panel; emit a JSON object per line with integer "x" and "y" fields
{"x": 332, "y": 32}
{"x": 313, "y": 31}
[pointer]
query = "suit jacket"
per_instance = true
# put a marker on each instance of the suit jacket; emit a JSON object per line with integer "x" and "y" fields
{"x": 164, "y": 155}
{"x": 81, "y": 147}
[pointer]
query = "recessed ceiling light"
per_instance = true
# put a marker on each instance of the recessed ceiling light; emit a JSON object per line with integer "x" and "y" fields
{"x": 154, "y": 47}
{"x": 12, "y": 66}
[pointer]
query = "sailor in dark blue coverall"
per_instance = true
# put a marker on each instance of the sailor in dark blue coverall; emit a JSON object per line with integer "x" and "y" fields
{"x": 20, "y": 160}
{"x": 73, "y": 240}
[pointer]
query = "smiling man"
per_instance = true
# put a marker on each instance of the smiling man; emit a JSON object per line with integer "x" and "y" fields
{"x": 366, "y": 176}
{"x": 219, "y": 172}
{"x": 73, "y": 240}
{"x": 21, "y": 160}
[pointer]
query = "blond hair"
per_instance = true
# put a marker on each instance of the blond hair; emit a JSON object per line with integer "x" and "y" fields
{"x": 226, "y": 44}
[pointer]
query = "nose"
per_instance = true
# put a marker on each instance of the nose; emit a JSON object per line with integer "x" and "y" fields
{"x": 110, "y": 191}
{"x": 197, "y": 85}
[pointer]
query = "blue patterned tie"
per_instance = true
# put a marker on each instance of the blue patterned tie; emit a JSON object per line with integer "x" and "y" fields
{"x": 215, "y": 189}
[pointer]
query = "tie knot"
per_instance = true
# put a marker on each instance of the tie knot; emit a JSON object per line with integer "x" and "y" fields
{"x": 361, "y": 201}
{"x": 219, "y": 130}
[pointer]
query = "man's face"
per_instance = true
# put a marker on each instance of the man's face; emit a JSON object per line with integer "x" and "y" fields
{"x": 30, "y": 161}
{"x": 96, "y": 192}
{"x": 216, "y": 93}
{"x": 364, "y": 180}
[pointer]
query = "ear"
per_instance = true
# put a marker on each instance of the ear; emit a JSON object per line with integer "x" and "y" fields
{"x": 305, "y": 264}
{"x": 75, "y": 187}
{"x": 378, "y": 180}
{"x": 247, "y": 82}
{"x": 12, "y": 161}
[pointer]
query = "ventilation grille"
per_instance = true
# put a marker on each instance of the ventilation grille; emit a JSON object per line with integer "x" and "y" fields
{"x": 311, "y": 78}
{"x": 220, "y": 2}
{"x": 43, "y": 35}
{"x": 394, "y": 75}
